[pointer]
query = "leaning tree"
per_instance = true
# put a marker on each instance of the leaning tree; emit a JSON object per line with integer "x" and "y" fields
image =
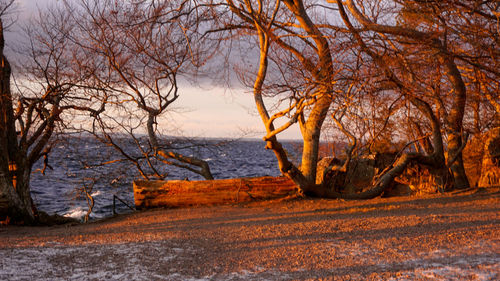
{"x": 444, "y": 42}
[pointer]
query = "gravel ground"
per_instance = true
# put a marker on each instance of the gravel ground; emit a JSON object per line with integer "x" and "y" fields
{"x": 433, "y": 237}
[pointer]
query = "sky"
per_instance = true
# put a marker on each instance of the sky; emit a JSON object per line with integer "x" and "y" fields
{"x": 210, "y": 111}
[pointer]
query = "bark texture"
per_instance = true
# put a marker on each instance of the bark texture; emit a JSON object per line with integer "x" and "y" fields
{"x": 318, "y": 102}
{"x": 15, "y": 202}
{"x": 490, "y": 168}
{"x": 154, "y": 194}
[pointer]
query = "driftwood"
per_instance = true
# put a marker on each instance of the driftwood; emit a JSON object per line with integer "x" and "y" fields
{"x": 180, "y": 193}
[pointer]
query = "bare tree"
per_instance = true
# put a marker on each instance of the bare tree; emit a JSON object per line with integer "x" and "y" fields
{"x": 296, "y": 44}
{"x": 436, "y": 33}
{"x": 136, "y": 52}
{"x": 297, "y": 64}
{"x": 14, "y": 205}
{"x": 288, "y": 39}
{"x": 31, "y": 116}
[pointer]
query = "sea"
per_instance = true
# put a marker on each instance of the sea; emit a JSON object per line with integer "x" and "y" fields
{"x": 78, "y": 164}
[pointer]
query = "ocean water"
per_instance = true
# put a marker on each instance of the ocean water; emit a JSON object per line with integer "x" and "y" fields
{"x": 75, "y": 163}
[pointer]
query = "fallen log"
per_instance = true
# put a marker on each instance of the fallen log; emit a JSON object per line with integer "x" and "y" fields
{"x": 181, "y": 193}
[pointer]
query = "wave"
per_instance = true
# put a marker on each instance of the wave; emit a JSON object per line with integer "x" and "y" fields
{"x": 96, "y": 193}
{"x": 76, "y": 213}
{"x": 61, "y": 186}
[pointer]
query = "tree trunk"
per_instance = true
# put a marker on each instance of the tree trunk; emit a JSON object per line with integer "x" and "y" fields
{"x": 18, "y": 201}
{"x": 175, "y": 193}
{"x": 12, "y": 207}
{"x": 323, "y": 74}
{"x": 455, "y": 123}
{"x": 311, "y": 133}
{"x": 490, "y": 168}
{"x": 457, "y": 168}
{"x": 23, "y": 187}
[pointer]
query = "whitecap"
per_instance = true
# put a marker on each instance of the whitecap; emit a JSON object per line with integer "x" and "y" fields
{"x": 96, "y": 193}
{"x": 76, "y": 213}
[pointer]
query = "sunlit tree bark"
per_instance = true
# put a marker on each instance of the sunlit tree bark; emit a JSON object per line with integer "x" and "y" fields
{"x": 308, "y": 109}
{"x": 490, "y": 166}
